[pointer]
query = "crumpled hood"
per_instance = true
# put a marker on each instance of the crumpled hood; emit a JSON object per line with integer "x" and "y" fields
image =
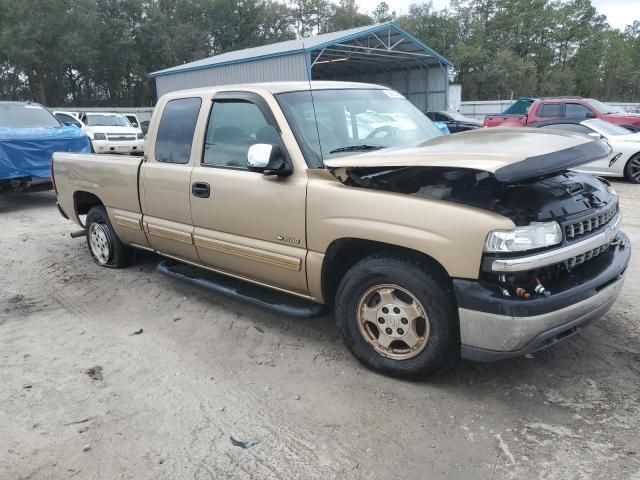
{"x": 511, "y": 154}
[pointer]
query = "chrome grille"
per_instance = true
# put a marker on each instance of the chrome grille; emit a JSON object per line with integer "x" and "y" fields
{"x": 589, "y": 225}
{"x": 585, "y": 257}
{"x": 123, "y": 137}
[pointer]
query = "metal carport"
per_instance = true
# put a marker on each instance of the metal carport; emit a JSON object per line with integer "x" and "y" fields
{"x": 382, "y": 53}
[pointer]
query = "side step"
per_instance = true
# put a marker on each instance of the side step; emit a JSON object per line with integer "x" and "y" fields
{"x": 237, "y": 289}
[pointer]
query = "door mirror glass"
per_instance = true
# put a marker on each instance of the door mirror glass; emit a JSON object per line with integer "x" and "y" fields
{"x": 268, "y": 159}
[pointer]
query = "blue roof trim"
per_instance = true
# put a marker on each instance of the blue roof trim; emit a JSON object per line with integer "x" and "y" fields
{"x": 307, "y": 51}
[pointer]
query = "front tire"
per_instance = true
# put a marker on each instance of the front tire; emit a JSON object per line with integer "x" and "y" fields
{"x": 104, "y": 245}
{"x": 632, "y": 169}
{"x": 397, "y": 317}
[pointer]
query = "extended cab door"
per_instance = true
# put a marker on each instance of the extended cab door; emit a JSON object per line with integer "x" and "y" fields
{"x": 165, "y": 191}
{"x": 246, "y": 223}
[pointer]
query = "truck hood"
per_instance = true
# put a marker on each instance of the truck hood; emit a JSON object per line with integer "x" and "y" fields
{"x": 628, "y": 118}
{"x": 510, "y": 154}
{"x": 106, "y": 129}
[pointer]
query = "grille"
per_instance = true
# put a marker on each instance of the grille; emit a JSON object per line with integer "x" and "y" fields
{"x": 120, "y": 137}
{"x": 585, "y": 257}
{"x": 589, "y": 225}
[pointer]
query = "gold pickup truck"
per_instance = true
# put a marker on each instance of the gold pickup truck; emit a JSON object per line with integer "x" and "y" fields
{"x": 428, "y": 247}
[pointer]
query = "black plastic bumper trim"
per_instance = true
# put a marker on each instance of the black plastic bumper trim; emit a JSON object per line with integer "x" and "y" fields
{"x": 603, "y": 270}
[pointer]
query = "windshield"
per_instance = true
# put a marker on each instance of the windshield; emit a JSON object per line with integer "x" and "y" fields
{"x": 20, "y": 115}
{"x": 107, "y": 121}
{"x": 350, "y": 121}
{"x": 603, "y": 108}
{"x": 605, "y": 128}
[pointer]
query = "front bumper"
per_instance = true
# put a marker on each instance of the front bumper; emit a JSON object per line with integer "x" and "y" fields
{"x": 107, "y": 146}
{"x": 493, "y": 327}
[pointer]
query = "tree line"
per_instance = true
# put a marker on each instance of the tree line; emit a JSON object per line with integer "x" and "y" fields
{"x": 100, "y": 52}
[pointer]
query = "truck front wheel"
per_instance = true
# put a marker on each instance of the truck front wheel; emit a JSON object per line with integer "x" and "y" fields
{"x": 397, "y": 318}
{"x": 104, "y": 245}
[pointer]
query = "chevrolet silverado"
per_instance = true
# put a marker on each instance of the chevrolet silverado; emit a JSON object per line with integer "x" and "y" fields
{"x": 429, "y": 247}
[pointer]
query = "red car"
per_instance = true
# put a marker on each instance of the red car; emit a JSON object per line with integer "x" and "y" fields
{"x": 576, "y": 108}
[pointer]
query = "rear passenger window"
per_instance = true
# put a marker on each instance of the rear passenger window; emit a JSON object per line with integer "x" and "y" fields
{"x": 550, "y": 110}
{"x": 175, "y": 132}
{"x": 235, "y": 125}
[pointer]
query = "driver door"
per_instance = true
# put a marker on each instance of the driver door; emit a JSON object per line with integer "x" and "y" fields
{"x": 247, "y": 224}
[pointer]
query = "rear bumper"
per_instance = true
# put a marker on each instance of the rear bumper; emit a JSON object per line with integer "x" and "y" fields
{"x": 493, "y": 327}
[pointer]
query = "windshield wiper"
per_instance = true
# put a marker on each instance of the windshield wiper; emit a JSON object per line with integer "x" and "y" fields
{"x": 356, "y": 148}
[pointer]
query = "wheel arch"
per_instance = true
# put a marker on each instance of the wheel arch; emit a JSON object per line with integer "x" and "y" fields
{"x": 632, "y": 157}
{"x": 343, "y": 253}
{"x": 83, "y": 202}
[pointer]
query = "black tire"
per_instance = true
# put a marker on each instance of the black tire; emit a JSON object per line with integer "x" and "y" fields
{"x": 428, "y": 287}
{"x": 632, "y": 169}
{"x": 117, "y": 254}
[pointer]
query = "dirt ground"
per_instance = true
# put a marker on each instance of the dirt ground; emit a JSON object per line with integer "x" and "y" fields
{"x": 206, "y": 368}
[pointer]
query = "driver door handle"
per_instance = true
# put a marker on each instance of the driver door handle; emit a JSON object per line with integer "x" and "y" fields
{"x": 201, "y": 189}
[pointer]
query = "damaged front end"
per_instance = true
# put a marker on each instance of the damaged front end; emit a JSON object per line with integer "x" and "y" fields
{"x": 561, "y": 267}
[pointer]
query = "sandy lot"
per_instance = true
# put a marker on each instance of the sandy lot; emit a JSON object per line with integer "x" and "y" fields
{"x": 206, "y": 368}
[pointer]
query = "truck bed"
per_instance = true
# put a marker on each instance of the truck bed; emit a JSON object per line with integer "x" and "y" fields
{"x": 111, "y": 178}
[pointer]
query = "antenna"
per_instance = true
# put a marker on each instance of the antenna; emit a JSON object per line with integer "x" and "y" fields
{"x": 313, "y": 103}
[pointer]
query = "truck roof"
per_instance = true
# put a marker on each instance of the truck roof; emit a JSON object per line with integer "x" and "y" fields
{"x": 276, "y": 87}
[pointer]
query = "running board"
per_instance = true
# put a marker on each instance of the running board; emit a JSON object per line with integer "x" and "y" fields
{"x": 264, "y": 297}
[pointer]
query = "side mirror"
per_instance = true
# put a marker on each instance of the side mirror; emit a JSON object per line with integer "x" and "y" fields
{"x": 590, "y": 115}
{"x": 268, "y": 159}
{"x": 595, "y": 135}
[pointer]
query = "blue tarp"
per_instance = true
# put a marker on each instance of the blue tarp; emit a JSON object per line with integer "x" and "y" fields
{"x": 27, "y": 152}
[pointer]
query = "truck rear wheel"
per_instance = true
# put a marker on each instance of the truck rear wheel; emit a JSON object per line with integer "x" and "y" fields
{"x": 104, "y": 245}
{"x": 397, "y": 318}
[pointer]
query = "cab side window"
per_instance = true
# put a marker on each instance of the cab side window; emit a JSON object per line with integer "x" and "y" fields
{"x": 235, "y": 125}
{"x": 176, "y": 129}
{"x": 552, "y": 110}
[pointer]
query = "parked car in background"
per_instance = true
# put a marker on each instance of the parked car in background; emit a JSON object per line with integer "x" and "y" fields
{"x": 112, "y": 133}
{"x": 443, "y": 127}
{"x": 455, "y": 122}
{"x": 29, "y": 135}
{"x": 624, "y": 160}
{"x": 68, "y": 119}
{"x": 144, "y": 125}
{"x": 133, "y": 120}
{"x": 576, "y": 108}
{"x": 520, "y": 106}
{"x": 428, "y": 246}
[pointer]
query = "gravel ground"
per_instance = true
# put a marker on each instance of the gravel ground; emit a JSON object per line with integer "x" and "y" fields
{"x": 206, "y": 368}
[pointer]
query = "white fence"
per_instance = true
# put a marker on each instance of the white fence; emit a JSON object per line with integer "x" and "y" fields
{"x": 478, "y": 109}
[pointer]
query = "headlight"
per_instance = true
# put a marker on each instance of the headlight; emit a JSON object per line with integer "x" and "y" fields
{"x": 141, "y": 136}
{"x": 99, "y": 136}
{"x": 534, "y": 235}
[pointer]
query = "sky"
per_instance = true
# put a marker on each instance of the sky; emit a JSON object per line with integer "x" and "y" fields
{"x": 619, "y": 12}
